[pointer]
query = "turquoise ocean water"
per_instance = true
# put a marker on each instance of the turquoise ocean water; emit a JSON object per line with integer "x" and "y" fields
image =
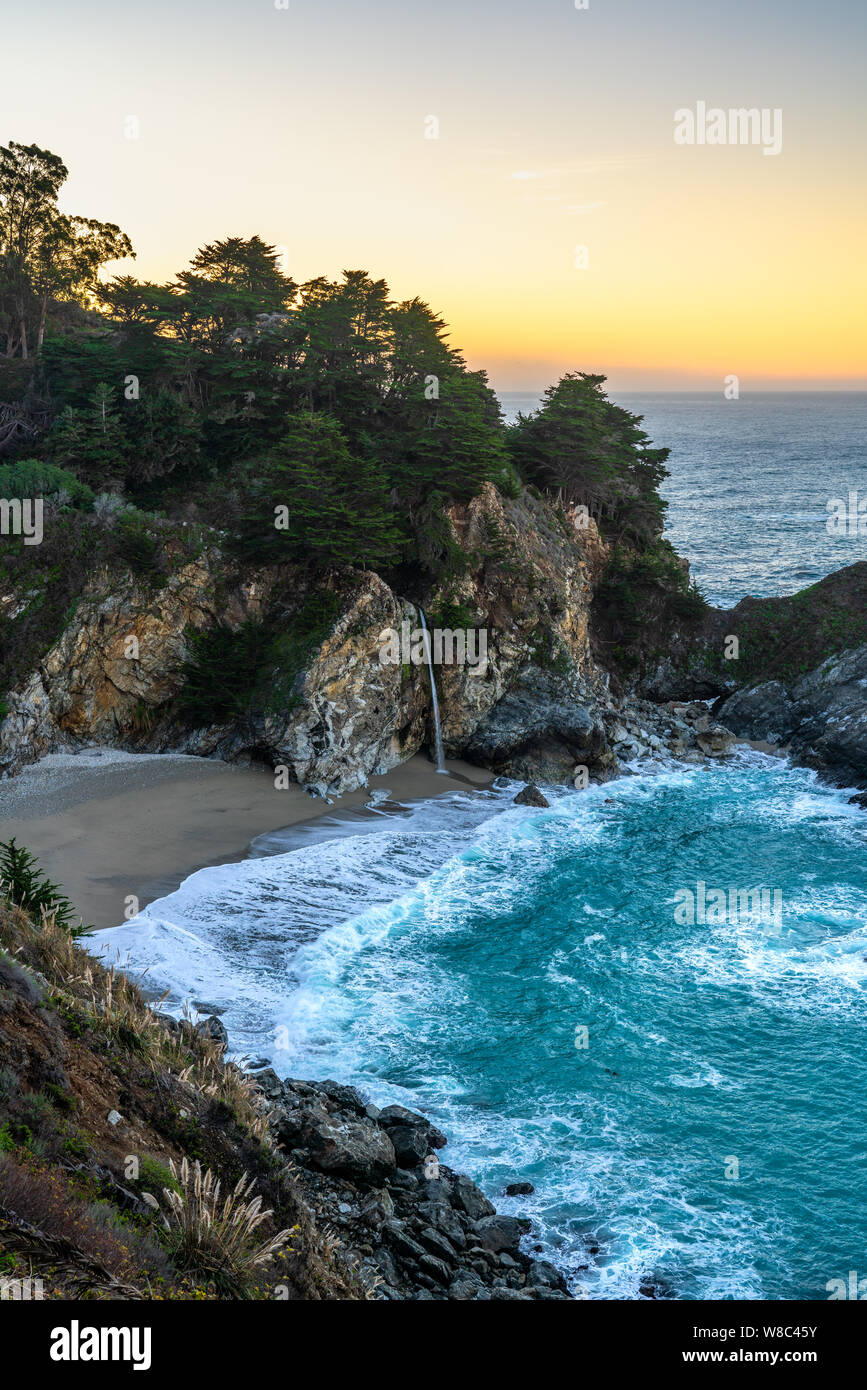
{"x": 709, "y": 1140}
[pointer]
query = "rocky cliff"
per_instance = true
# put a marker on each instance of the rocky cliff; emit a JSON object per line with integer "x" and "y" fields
{"x": 538, "y": 707}
{"x": 789, "y": 671}
{"x": 115, "y": 672}
{"x": 821, "y": 719}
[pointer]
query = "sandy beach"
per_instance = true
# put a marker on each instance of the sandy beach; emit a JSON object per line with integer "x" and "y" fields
{"x": 107, "y": 826}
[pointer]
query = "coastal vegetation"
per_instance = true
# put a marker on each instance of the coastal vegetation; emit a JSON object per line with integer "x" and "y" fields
{"x": 134, "y": 1163}
{"x": 786, "y": 638}
{"x": 24, "y": 885}
{"x": 323, "y": 425}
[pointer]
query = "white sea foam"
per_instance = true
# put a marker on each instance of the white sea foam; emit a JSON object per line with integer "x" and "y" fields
{"x": 359, "y": 957}
{"x": 233, "y": 936}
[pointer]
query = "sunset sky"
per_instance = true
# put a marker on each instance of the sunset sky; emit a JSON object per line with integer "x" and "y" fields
{"x": 307, "y": 126}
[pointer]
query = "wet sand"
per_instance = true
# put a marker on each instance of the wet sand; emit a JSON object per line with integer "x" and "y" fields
{"x": 108, "y": 826}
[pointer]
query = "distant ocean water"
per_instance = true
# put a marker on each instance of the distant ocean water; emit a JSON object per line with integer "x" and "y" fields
{"x": 750, "y": 482}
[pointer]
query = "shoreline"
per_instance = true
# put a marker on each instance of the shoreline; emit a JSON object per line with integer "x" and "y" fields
{"x": 108, "y": 826}
{"x": 76, "y": 784}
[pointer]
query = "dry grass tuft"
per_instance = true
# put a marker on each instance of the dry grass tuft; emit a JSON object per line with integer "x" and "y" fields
{"x": 114, "y": 1005}
{"x": 216, "y": 1237}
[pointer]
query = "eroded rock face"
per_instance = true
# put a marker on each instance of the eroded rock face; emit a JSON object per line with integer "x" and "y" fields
{"x": 822, "y": 718}
{"x": 537, "y": 707}
{"x": 534, "y": 712}
{"x": 28, "y": 731}
{"x": 539, "y": 734}
{"x": 498, "y": 1233}
{"x": 350, "y": 715}
{"x": 831, "y": 707}
{"x": 90, "y": 688}
{"x": 764, "y": 711}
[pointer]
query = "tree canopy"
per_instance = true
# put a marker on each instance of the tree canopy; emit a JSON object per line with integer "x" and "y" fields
{"x": 46, "y": 256}
{"x": 235, "y": 389}
{"x": 595, "y": 453}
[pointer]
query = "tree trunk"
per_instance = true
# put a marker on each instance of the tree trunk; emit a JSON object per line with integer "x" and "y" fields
{"x": 42, "y": 316}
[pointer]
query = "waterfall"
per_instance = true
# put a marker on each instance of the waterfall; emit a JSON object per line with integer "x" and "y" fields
{"x": 438, "y": 733}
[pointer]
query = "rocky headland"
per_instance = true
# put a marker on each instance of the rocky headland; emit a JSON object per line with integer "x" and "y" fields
{"x": 799, "y": 677}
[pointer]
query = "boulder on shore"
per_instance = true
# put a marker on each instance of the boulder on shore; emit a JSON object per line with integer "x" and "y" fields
{"x": 531, "y": 796}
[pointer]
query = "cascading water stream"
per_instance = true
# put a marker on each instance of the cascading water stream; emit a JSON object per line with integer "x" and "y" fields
{"x": 438, "y": 733}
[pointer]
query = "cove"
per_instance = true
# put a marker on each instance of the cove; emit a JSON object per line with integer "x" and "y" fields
{"x": 708, "y": 1142}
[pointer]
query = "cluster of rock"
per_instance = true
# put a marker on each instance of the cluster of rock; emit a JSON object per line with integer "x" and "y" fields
{"x": 685, "y": 730}
{"x": 821, "y": 718}
{"x": 409, "y": 1226}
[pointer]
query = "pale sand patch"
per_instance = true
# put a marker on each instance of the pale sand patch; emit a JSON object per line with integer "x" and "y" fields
{"x": 774, "y": 750}
{"x": 106, "y": 828}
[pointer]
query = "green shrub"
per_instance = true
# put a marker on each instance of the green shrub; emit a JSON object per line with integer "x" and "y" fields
{"x": 229, "y": 674}
{"x": 154, "y": 1176}
{"x": 59, "y": 1097}
{"x": 508, "y": 481}
{"x": 220, "y": 671}
{"x": 292, "y": 649}
{"x": 33, "y": 478}
{"x": 688, "y": 603}
{"x": 24, "y": 884}
{"x": 135, "y": 544}
{"x": 452, "y": 615}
